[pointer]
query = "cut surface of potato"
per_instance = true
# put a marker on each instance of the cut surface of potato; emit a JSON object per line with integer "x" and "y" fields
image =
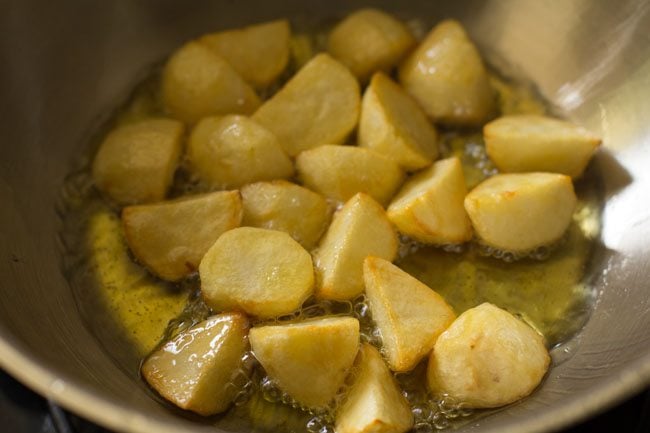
{"x": 170, "y": 238}
{"x": 259, "y": 53}
{"x": 375, "y": 403}
{"x": 393, "y": 124}
{"x": 360, "y": 229}
{"x": 537, "y": 143}
{"x": 487, "y": 358}
{"x": 519, "y": 212}
{"x": 287, "y": 207}
{"x": 136, "y": 163}
{"x": 308, "y": 360}
{"x": 446, "y": 75}
{"x": 340, "y": 172}
{"x": 262, "y": 272}
{"x": 369, "y": 40}
{"x": 429, "y": 207}
{"x": 409, "y": 315}
{"x": 197, "y": 83}
{"x": 231, "y": 151}
{"x": 319, "y": 105}
{"x": 194, "y": 370}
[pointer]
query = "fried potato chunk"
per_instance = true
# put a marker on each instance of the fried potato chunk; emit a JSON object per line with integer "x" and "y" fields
{"x": 136, "y": 163}
{"x": 487, "y": 358}
{"x": 519, "y": 212}
{"x": 522, "y": 143}
{"x": 409, "y": 315}
{"x": 262, "y": 272}
{"x": 308, "y": 360}
{"x": 194, "y": 370}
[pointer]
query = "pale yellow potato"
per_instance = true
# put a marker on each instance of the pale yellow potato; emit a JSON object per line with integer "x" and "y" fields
{"x": 197, "y": 83}
{"x": 319, "y": 105}
{"x": 170, "y": 238}
{"x": 369, "y": 40}
{"x": 259, "y": 53}
{"x": 409, "y": 314}
{"x": 284, "y": 206}
{"x": 429, "y": 207}
{"x": 264, "y": 273}
{"x": 487, "y": 358}
{"x": 358, "y": 230}
{"x": 519, "y": 212}
{"x": 231, "y": 151}
{"x": 308, "y": 360}
{"x": 136, "y": 162}
{"x": 522, "y": 143}
{"x": 446, "y": 75}
{"x": 393, "y": 124}
{"x": 194, "y": 370}
{"x": 340, "y": 172}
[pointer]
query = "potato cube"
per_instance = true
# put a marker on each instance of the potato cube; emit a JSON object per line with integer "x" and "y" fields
{"x": 487, "y": 358}
{"x": 262, "y": 272}
{"x": 171, "y": 238}
{"x": 360, "y": 229}
{"x": 194, "y": 370}
{"x": 520, "y": 212}
{"x": 537, "y": 143}
{"x": 136, "y": 163}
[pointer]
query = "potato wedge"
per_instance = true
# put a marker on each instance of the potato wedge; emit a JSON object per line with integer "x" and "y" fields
{"x": 446, "y": 75}
{"x": 308, "y": 360}
{"x": 340, "y": 172}
{"x": 375, "y": 403}
{"x": 369, "y": 40}
{"x": 487, "y": 358}
{"x": 194, "y": 370}
{"x": 197, "y": 83}
{"x": 393, "y": 124}
{"x": 409, "y": 315}
{"x": 360, "y": 229}
{"x": 319, "y": 105}
{"x": 287, "y": 207}
{"x": 171, "y": 238}
{"x": 136, "y": 162}
{"x": 259, "y": 53}
{"x": 537, "y": 143}
{"x": 429, "y": 207}
{"x": 231, "y": 151}
{"x": 262, "y": 272}
{"x": 519, "y": 212}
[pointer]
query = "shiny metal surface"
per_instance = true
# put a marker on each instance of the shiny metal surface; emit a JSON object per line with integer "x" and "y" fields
{"x": 67, "y": 64}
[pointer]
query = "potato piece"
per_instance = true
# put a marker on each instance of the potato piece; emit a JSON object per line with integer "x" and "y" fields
{"x": 487, "y": 358}
{"x": 409, "y": 315}
{"x": 429, "y": 207}
{"x": 537, "y": 143}
{"x": 170, "y": 238}
{"x": 197, "y": 83}
{"x": 360, "y": 229}
{"x": 231, "y": 151}
{"x": 519, "y": 212}
{"x": 394, "y": 125}
{"x": 308, "y": 360}
{"x": 287, "y": 207}
{"x": 375, "y": 403}
{"x": 319, "y": 105}
{"x": 136, "y": 163}
{"x": 194, "y": 370}
{"x": 340, "y": 172}
{"x": 259, "y": 53}
{"x": 262, "y": 272}
{"x": 446, "y": 76}
{"x": 369, "y": 40}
